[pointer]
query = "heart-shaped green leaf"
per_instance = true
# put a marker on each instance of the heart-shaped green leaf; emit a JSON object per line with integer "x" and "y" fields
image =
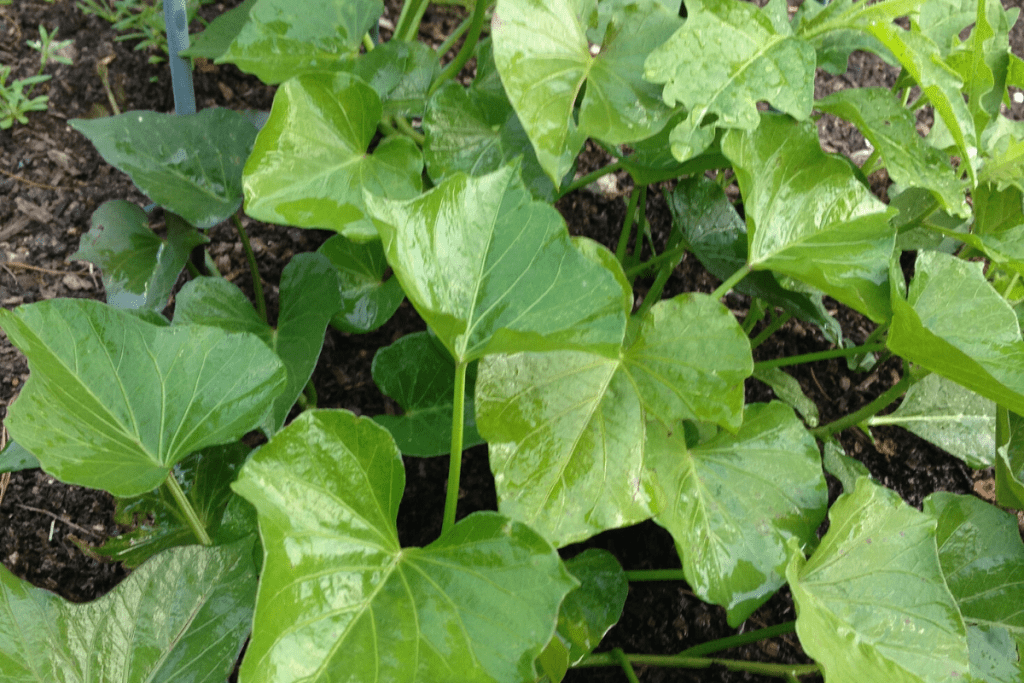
{"x": 493, "y": 271}
{"x": 281, "y": 39}
{"x": 419, "y": 374}
{"x": 190, "y": 165}
{"x": 809, "y": 217}
{"x": 113, "y": 402}
{"x": 139, "y": 268}
{"x": 734, "y": 501}
{"x": 547, "y": 50}
{"x": 953, "y": 418}
{"x": 566, "y": 430}
{"x": 954, "y": 323}
{"x": 205, "y": 477}
{"x": 183, "y": 615}
{"x": 367, "y": 299}
{"x": 309, "y": 298}
{"x": 872, "y": 602}
{"x": 892, "y": 130}
{"x": 721, "y": 62}
{"x": 310, "y": 165}
{"x": 340, "y": 599}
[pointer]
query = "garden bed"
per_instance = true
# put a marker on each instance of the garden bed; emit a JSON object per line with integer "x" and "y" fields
{"x": 52, "y": 179}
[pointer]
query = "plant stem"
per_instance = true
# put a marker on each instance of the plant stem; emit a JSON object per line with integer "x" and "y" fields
{"x": 186, "y": 509}
{"x": 627, "y": 668}
{"x": 257, "y": 285}
{"x": 667, "y": 255}
{"x": 655, "y": 575}
{"x": 818, "y": 355}
{"x": 1013, "y": 283}
{"x": 772, "y": 328}
{"x": 724, "y": 288}
{"x": 627, "y": 225}
{"x": 451, "y": 500}
{"x": 406, "y": 128}
{"x": 654, "y": 294}
{"x": 310, "y": 394}
{"x": 443, "y": 48}
{"x": 408, "y": 26}
{"x": 466, "y": 51}
{"x": 739, "y": 639}
{"x": 589, "y": 178}
{"x": 675, "y": 661}
{"x": 870, "y": 410}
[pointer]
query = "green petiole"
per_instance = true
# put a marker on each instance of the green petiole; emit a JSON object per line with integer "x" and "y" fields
{"x": 451, "y": 500}
{"x": 187, "y": 510}
{"x": 257, "y": 284}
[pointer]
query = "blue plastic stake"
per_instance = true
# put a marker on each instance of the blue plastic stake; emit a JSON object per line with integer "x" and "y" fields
{"x": 176, "y": 20}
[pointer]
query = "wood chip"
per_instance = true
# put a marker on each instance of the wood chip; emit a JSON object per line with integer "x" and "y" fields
{"x": 14, "y": 227}
{"x": 33, "y": 211}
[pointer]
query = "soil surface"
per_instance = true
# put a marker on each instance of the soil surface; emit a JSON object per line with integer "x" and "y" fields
{"x": 51, "y": 180}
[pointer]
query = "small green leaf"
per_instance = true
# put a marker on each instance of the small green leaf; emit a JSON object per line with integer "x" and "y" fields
{"x": 183, "y": 615}
{"x": 309, "y": 297}
{"x": 190, "y": 165}
{"x": 956, "y": 325}
{"x": 809, "y": 217}
{"x": 1010, "y": 459}
{"x": 367, "y": 299}
{"x": 590, "y": 610}
{"x": 996, "y": 211}
{"x": 1003, "y": 159}
{"x": 401, "y": 73}
{"x": 872, "y": 602}
{"x": 788, "y": 390}
{"x": 548, "y": 52}
{"x": 892, "y": 130}
{"x": 339, "y": 599}
{"x": 14, "y": 458}
{"x": 139, "y": 268}
{"x": 953, "y": 418}
{"x": 282, "y": 39}
{"x": 725, "y": 58}
{"x": 205, "y": 477}
{"x": 489, "y": 269}
{"x": 836, "y": 29}
{"x": 734, "y": 501}
{"x": 841, "y": 466}
{"x": 221, "y": 32}
{"x": 97, "y": 409}
{"x": 419, "y": 374}
{"x": 310, "y": 165}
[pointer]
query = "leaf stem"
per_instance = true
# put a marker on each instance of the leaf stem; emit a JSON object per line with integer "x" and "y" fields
{"x": 678, "y": 662}
{"x": 870, "y": 410}
{"x": 443, "y": 48}
{"x": 408, "y": 26}
{"x": 818, "y": 355}
{"x": 590, "y": 177}
{"x": 654, "y": 294}
{"x": 186, "y": 509}
{"x": 257, "y": 284}
{"x": 406, "y": 128}
{"x": 627, "y": 668}
{"x": 724, "y": 288}
{"x": 451, "y": 500}
{"x": 466, "y": 51}
{"x": 739, "y": 639}
{"x": 772, "y": 328}
{"x": 627, "y": 225}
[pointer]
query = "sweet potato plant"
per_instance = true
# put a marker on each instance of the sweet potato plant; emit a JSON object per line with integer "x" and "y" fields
{"x": 597, "y": 413}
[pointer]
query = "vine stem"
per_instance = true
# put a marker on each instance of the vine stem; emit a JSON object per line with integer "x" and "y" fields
{"x": 868, "y": 411}
{"x": 819, "y": 355}
{"x": 771, "y": 329}
{"x": 679, "y": 662}
{"x": 186, "y": 509}
{"x": 733, "y": 280}
{"x": 451, "y": 501}
{"x": 627, "y": 668}
{"x": 466, "y": 51}
{"x": 257, "y": 284}
{"x": 590, "y": 177}
{"x": 408, "y": 25}
{"x": 627, "y": 225}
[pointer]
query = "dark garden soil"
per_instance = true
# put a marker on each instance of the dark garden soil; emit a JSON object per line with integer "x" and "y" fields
{"x": 51, "y": 180}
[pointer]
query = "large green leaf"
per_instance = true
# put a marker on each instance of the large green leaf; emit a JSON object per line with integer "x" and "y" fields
{"x": 401, "y": 73}
{"x": 282, "y": 38}
{"x": 996, "y": 211}
{"x": 954, "y": 323}
{"x": 14, "y": 458}
{"x": 492, "y": 271}
{"x": 726, "y": 57}
{"x": 113, "y": 402}
{"x": 367, "y": 299}
{"x": 340, "y": 600}
{"x": 181, "y": 616}
{"x": 734, "y": 501}
{"x": 566, "y": 430}
{"x": 310, "y": 165}
{"x": 419, "y": 374}
{"x": 953, "y": 418}
{"x": 809, "y": 217}
{"x": 309, "y": 297}
{"x": 156, "y": 518}
{"x": 872, "y": 602}
{"x": 892, "y": 130}
{"x": 548, "y": 50}
{"x": 983, "y": 560}
{"x": 587, "y": 612}
{"x": 1010, "y": 459}
{"x": 836, "y": 30}
{"x": 716, "y": 234}
{"x": 220, "y": 33}
{"x": 190, "y": 165}
{"x": 139, "y": 268}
